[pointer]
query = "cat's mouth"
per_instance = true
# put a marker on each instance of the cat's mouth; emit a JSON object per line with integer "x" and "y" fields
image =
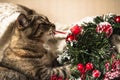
{"x": 52, "y": 32}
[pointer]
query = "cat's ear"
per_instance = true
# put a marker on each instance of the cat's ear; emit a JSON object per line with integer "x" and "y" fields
{"x": 22, "y": 21}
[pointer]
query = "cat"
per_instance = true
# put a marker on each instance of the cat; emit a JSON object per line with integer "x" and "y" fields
{"x": 23, "y": 55}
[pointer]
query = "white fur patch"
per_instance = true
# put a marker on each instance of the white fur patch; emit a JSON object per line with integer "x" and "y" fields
{"x": 4, "y": 24}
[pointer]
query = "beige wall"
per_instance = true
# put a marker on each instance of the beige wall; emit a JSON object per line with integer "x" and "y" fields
{"x": 68, "y": 11}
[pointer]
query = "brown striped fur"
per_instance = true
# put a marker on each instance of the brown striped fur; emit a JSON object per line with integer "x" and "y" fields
{"x": 25, "y": 57}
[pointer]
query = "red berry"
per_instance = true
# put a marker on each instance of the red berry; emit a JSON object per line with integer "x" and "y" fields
{"x": 89, "y": 66}
{"x": 53, "y": 77}
{"x": 60, "y": 78}
{"x": 76, "y": 29}
{"x": 81, "y": 68}
{"x": 117, "y": 19}
{"x": 96, "y": 73}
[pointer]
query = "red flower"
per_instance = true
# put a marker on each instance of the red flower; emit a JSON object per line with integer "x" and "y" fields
{"x": 105, "y": 27}
{"x": 96, "y": 73}
{"x": 76, "y": 29}
{"x": 89, "y": 66}
{"x": 111, "y": 75}
{"x": 71, "y": 37}
{"x": 81, "y": 68}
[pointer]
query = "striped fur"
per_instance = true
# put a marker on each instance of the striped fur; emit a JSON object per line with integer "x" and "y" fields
{"x": 22, "y": 53}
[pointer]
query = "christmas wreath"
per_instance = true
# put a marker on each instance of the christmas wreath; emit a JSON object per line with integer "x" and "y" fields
{"x": 90, "y": 49}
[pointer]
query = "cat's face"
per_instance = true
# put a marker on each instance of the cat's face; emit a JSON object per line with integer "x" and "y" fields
{"x": 35, "y": 27}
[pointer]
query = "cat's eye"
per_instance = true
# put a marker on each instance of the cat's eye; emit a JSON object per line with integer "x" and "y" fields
{"x": 44, "y": 26}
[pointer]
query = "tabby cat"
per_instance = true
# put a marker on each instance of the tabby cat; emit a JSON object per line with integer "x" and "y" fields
{"x": 23, "y": 35}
